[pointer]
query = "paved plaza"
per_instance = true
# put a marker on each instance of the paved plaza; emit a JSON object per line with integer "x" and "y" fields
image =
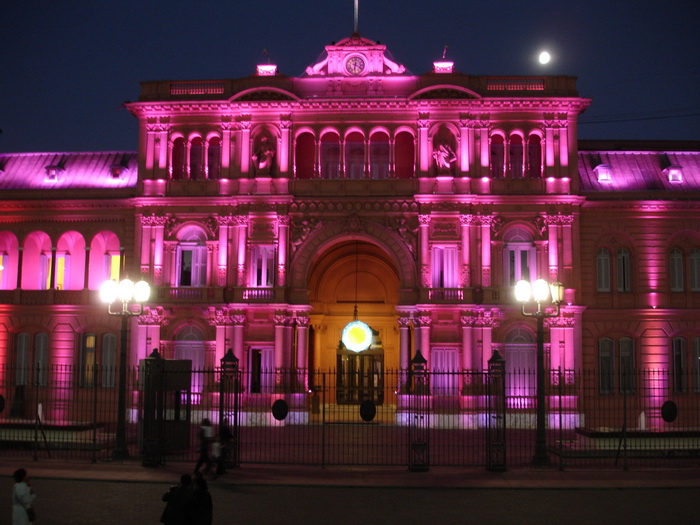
{"x": 120, "y": 493}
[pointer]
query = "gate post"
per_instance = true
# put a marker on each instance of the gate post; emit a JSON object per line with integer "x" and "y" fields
{"x": 152, "y": 417}
{"x": 496, "y": 414}
{"x": 418, "y": 416}
{"x": 229, "y": 430}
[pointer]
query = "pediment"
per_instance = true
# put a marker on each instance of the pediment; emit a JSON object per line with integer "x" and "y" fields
{"x": 355, "y": 57}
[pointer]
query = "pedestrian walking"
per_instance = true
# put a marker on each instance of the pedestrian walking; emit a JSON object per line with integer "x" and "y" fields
{"x": 205, "y": 437}
{"x": 202, "y": 505}
{"x": 178, "y": 503}
{"x": 22, "y": 499}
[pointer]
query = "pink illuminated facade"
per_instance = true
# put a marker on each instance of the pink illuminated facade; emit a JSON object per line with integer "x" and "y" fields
{"x": 262, "y": 209}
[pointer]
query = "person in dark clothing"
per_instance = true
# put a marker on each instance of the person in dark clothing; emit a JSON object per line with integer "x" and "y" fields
{"x": 202, "y": 506}
{"x": 178, "y": 503}
{"x": 205, "y": 436}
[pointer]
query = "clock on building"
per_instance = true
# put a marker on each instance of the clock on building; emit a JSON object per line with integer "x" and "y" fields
{"x": 355, "y": 65}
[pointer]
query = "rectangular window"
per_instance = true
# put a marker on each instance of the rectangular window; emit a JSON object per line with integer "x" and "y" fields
{"x": 624, "y": 274}
{"x": 627, "y": 379}
{"x": 4, "y": 264}
{"x": 62, "y": 271}
{"x": 112, "y": 266}
{"x": 444, "y": 267}
{"x": 519, "y": 262}
{"x": 87, "y": 360}
{"x": 262, "y": 370}
{"x": 676, "y": 270}
{"x": 445, "y": 371}
{"x": 603, "y": 271}
{"x": 262, "y": 267}
{"x": 696, "y": 364}
{"x": 606, "y": 365}
{"x": 41, "y": 359}
{"x": 22, "y": 359}
{"x": 109, "y": 361}
{"x": 679, "y": 374}
{"x": 44, "y": 271}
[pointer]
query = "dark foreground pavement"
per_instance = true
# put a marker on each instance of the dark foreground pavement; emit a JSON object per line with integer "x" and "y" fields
{"x": 127, "y": 493}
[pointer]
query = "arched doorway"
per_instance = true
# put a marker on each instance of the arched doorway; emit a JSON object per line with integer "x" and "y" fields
{"x": 350, "y": 272}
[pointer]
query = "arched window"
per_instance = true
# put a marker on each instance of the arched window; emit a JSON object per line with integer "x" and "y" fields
{"x": 105, "y": 259}
{"x": 304, "y": 156}
{"x": 37, "y": 262}
{"x": 355, "y": 156}
{"x": 675, "y": 267}
{"x": 9, "y": 261}
{"x": 404, "y": 148}
{"x": 379, "y": 156}
{"x": 191, "y": 258}
{"x": 534, "y": 157}
{"x": 515, "y": 156}
{"x": 497, "y": 156}
{"x": 70, "y": 262}
{"x": 694, "y": 267}
{"x": 196, "y": 159}
{"x": 177, "y": 159}
{"x": 603, "y": 270}
{"x": 214, "y": 158}
{"x": 330, "y": 156}
{"x": 519, "y": 257}
{"x": 624, "y": 270}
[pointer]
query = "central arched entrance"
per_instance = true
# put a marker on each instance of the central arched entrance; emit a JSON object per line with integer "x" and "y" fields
{"x": 347, "y": 273}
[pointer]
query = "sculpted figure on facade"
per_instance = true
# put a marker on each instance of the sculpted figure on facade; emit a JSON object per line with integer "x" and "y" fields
{"x": 444, "y": 158}
{"x": 263, "y": 156}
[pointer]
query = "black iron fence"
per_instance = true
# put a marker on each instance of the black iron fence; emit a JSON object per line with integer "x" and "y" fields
{"x": 404, "y": 419}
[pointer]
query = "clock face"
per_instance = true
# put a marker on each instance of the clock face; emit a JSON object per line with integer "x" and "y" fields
{"x": 355, "y": 65}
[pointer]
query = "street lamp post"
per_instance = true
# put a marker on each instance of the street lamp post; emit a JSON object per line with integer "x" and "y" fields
{"x": 538, "y": 293}
{"x": 127, "y": 293}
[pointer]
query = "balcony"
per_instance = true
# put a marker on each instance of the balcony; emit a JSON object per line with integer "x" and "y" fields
{"x": 254, "y": 295}
{"x": 463, "y": 295}
{"x": 190, "y": 295}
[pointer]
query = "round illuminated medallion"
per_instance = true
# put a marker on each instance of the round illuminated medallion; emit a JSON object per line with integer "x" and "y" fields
{"x": 357, "y": 336}
{"x": 355, "y": 65}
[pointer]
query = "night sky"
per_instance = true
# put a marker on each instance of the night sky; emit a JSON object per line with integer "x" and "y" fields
{"x": 68, "y": 66}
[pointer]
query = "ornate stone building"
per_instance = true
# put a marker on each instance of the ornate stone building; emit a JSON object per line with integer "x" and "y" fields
{"x": 263, "y": 210}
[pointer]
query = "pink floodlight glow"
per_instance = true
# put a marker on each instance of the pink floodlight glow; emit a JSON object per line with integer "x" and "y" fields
{"x": 443, "y": 66}
{"x": 267, "y": 70}
{"x": 550, "y": 179}
{"x": 484, "y": 179}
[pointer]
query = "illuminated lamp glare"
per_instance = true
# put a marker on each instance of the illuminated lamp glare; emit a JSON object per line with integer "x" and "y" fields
{"x": 550, "y": 179}
{"x": 356, "y": 336}
{"x": 484, "y": 179}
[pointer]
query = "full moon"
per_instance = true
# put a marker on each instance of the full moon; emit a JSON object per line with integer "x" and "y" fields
{"x": 545, "y": 57}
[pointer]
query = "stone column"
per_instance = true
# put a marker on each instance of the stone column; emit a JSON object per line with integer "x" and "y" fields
{"x": 466, "y": 221}
{"x": 424, "y": 222}
{"x": 282, "y": 242}
{"x": 242, "y": 223}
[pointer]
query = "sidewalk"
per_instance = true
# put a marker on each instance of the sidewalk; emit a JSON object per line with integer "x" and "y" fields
{"x": 439, "y": 477}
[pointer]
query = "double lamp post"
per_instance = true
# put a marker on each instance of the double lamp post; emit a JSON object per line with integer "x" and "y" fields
{"x": 535, "y": 298}
{"x": 127, "y": 293}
